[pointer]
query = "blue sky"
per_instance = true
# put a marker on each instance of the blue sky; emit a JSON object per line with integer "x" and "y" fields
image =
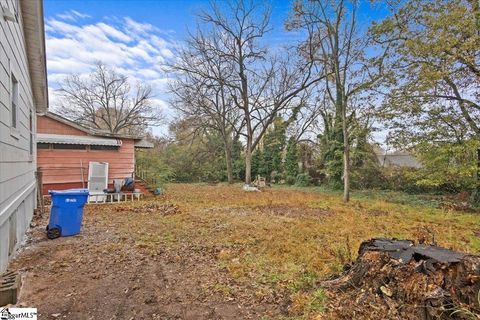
{"x": 136, "y": 37}
{"x": 171, "y": 15}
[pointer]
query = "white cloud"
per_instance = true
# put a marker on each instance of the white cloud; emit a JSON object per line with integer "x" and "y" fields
{"x": 138, "y": 27}
{"x": 114, "y": 33}
{"x": 160, "y": 104}
{"x": 72, "y": 15}
{"x": 133, "y": 48}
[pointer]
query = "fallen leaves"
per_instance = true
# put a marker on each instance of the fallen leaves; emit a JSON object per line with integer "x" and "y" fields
{"x": 164, "y": 209}
{"x": 216, "y": 250}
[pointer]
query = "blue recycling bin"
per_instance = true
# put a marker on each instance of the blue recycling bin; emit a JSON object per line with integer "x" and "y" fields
{"x": 67, "y": 212}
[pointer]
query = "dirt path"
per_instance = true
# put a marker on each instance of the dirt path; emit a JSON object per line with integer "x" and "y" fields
{"x": 104, "y": 274}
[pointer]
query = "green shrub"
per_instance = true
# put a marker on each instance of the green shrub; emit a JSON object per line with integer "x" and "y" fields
{"x": 157, "y": 169}
{"x": 290, "y": 180}
{"x": 449, "y": 167}
{"x": 403, "y": 179}
{"x": 303, "y": 180}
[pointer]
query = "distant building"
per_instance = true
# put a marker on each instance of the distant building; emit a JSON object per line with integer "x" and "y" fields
{"x": 23, "y": 93}
{"x": 399, "y": 158}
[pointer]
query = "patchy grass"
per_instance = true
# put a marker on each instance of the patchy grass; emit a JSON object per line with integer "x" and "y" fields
{"x": 397, "y": 197}
{"x": 277, "y": 244}
{"x": 308, "y": 304}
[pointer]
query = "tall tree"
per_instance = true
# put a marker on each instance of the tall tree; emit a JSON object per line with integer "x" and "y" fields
{"x": 200, "y": 94}
{"x": 434, "y": 60}
{"x": 291, "y": 159}
{"x": 433, "y": 101}
{"x": 341, "y": 47}
{"x": 105, "y": 100}
{"x": 194, "y": 155}
{"x": 273, "y": 147}
{"x": 261, "y": 85}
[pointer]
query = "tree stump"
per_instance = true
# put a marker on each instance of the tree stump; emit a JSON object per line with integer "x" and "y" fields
{"x": 396, "y": 279}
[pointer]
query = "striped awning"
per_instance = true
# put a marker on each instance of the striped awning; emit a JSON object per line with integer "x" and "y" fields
{"x": 71, "y": 139}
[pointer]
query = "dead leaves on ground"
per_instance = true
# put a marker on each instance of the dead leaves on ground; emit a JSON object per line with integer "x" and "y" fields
{"x": 268, "y": 249}
{"x": 156, "y": 207}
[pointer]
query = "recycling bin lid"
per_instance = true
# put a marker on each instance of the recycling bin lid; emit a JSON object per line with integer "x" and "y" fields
{"x": 69, "y": 192}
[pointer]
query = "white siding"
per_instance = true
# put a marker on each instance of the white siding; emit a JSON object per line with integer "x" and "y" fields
{"x": 17, "y": 165}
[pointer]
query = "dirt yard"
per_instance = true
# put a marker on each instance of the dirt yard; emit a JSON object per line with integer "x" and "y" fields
{"x": 216, "y": 252}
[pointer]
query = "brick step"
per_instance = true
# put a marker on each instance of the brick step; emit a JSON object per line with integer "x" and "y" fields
{"x": 140, "y": 184}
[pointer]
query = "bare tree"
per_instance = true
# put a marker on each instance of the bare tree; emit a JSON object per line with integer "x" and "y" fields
{"x": 260, "y": 85}
{"x": 342, "y": 49}
{"x": 206, "y": 99}
{"x": 105, "y": 100}
{"x": 304, "y": 121}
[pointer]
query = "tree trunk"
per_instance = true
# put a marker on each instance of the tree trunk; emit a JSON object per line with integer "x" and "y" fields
{"x": 346, "y": 156}
{"x": 248, "y": 149}
{"x": 346, "y": 169}
{"x": 475, "y": 197}
{"x": 248, "y": 161}
{"x": 228, "y": 158}
{"x": 478, "y": 172}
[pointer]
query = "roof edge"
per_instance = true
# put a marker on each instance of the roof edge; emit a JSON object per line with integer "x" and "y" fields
{"x": 144, "y": 144}
{"x": 34, "y": 35}
{"x": 90, "y": 131}
{"x": 77, "y": 140}
{"x": 65, "y": 121}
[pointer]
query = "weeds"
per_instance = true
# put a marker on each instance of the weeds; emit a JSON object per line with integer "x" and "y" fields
{"x": 282, "y": 241}
{"x": 465, "y": 312}
{"x": 308, "y": 304}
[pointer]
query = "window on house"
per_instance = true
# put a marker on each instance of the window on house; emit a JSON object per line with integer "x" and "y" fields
{"x": 42, "y": 145}
{"x": 65, "y": 146}
{"x": 14, "y": 97}
{"x": 103, "y": 147}
{"x": 31, "y": 132}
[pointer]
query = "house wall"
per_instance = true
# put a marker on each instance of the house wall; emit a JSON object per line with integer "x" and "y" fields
{"x": 398, "y": 159}
{"x": 51, "y": 126}
{"x": 17, "y": 161}
{"x": 61, "y": 169}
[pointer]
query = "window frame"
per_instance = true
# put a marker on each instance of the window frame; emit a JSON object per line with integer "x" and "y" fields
{"x": 49, "y": 146}
{"x": 104, "y": 148}
{"x": 14, "y": 104}
{"x": 69, "y": 147}
{"x": 31, "y": 128}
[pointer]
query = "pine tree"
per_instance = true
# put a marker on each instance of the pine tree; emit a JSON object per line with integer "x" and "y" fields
{"x": 258, "y": 164}
{"x": 291, "y": 160}
{"x": 274, "y": 144}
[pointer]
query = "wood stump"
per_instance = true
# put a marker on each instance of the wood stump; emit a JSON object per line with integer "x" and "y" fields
{"x": 396, "y": 279}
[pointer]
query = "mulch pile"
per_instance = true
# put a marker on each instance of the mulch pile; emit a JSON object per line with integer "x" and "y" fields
{"x": 396, "y": 279}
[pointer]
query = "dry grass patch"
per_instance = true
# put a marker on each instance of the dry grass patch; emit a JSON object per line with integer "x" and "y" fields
{"x": 276, "y": 245}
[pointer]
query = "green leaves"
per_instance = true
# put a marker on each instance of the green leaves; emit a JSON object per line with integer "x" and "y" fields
{"x": 291, "y": 159}
{"x": 450, "y": 166}
{"x": 434, "y": 66}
